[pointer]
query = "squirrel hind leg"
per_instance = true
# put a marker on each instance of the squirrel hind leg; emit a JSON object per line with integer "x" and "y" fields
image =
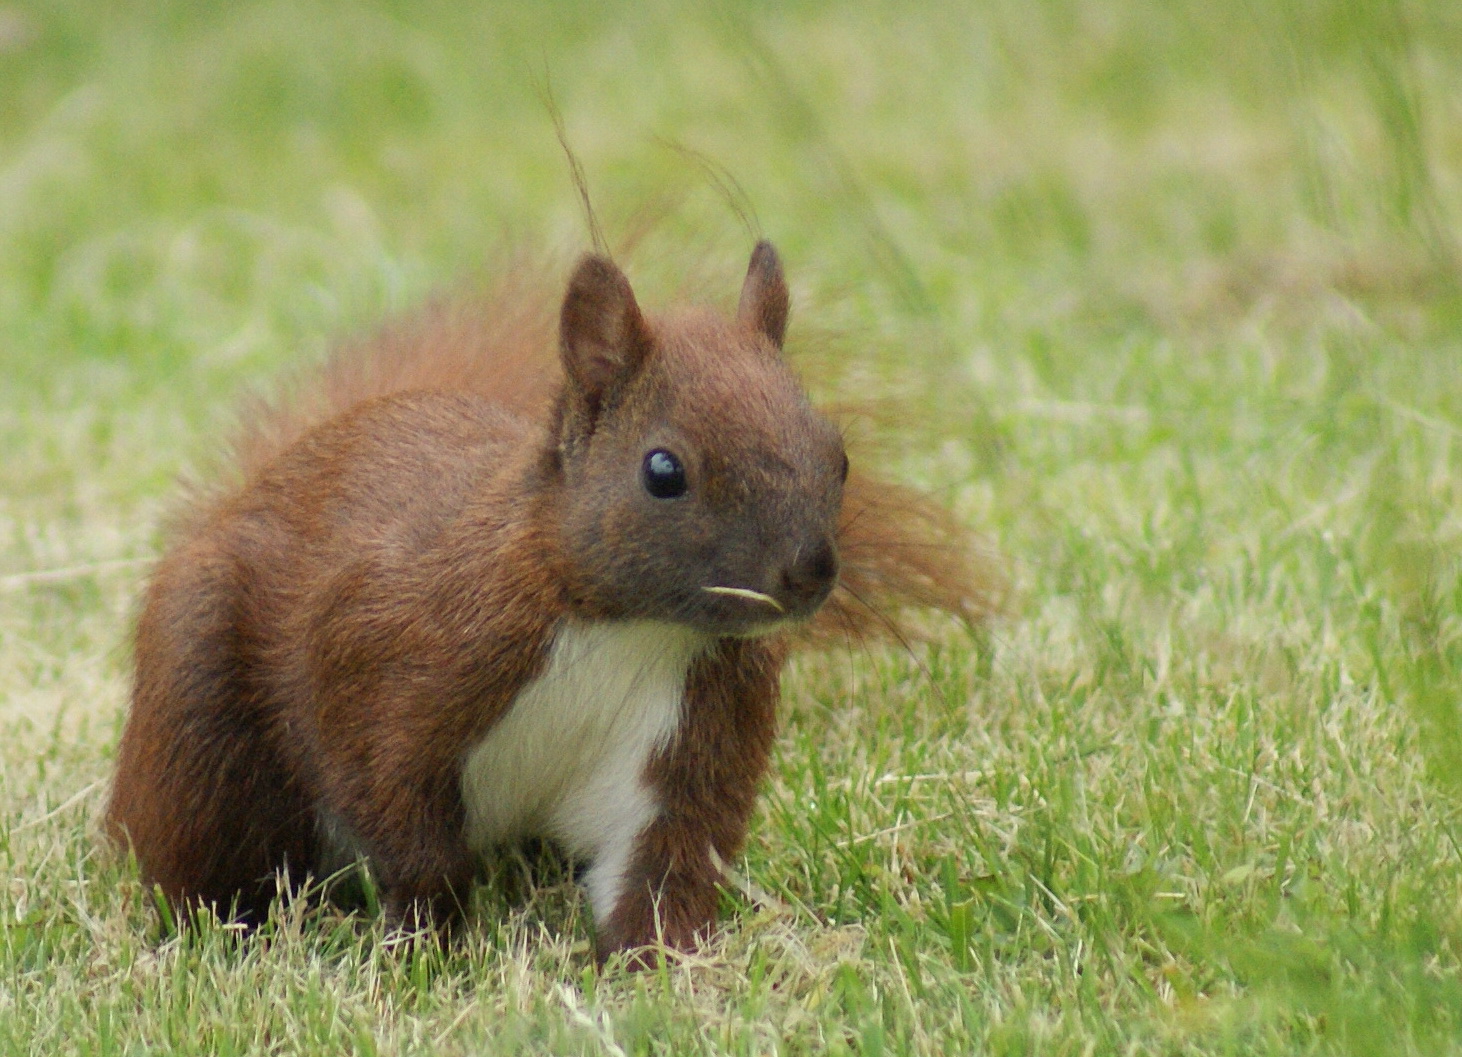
{"x": 201, "y": 796}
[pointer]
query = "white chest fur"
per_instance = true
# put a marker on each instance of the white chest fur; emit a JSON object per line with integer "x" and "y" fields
{"x": 567, "y": 760}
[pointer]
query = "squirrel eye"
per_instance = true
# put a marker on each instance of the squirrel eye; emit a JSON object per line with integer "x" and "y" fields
{"x": 664, "y": 476}
{"x": 845, "y": 467}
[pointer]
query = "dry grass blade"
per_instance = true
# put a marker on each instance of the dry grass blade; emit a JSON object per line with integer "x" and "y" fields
{"x": 746, "y": 593}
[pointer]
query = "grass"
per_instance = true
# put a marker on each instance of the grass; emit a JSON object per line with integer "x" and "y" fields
{"x": 1169, "y": 294}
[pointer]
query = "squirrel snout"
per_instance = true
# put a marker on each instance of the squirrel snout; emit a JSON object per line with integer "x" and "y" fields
{"x": 811, "y": 574}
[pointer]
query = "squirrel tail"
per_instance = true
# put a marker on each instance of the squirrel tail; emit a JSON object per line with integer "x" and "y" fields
{"x": 902, "y": 553}
{"x": 498, "y": 343}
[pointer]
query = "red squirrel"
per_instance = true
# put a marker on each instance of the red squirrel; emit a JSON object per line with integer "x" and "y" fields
{"x": 456, "y": 602}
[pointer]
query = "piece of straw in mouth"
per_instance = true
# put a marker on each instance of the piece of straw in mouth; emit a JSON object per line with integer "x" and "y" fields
{"x": 747, "y": 593}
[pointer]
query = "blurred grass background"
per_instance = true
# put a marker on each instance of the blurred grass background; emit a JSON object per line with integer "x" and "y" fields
{"x": 1169, "y": 293}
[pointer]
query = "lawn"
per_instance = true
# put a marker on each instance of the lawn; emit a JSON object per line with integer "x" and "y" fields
{"x": 1161, "y": 296}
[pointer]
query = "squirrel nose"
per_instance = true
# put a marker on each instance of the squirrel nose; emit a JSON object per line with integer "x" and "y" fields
{"x": 810, "y": 576}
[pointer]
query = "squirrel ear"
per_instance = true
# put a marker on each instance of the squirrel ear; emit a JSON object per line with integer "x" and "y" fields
{"x": 602, "y": 337}
{"x": 764, "y": 300}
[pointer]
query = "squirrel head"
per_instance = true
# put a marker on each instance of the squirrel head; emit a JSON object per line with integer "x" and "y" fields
{"x": 699, "y": 486}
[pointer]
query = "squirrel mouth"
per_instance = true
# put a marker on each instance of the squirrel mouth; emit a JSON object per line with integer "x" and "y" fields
{"x": 748, "y": 594}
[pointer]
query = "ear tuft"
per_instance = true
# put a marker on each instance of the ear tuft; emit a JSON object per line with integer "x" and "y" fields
{"x": 603, "y": 338}
{"x": 764, "y": 300}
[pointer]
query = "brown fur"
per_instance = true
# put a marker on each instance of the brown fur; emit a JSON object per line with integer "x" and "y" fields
{"x": 325, "y": 640}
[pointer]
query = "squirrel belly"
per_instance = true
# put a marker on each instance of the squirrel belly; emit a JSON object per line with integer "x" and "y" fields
{"x": 568, "y": 760}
